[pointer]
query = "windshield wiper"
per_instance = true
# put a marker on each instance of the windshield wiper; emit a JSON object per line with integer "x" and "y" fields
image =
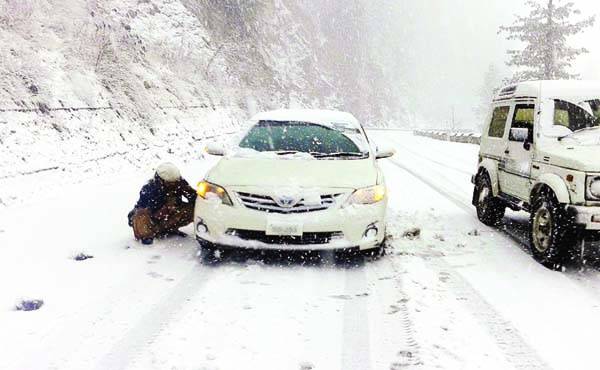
{"x": 339, "y": 155}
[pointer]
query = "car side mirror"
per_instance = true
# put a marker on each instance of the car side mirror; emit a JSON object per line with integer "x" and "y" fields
{"x": 215, "y": 149}
{"x": 384, "y": 153}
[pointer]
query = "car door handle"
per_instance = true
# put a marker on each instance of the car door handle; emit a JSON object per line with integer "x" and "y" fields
{"x": 507, "y": 151}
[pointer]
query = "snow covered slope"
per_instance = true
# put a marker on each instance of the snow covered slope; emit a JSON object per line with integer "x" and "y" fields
{"x": 90, "y": 87}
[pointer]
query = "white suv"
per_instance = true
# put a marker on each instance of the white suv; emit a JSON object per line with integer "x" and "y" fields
{"x": 540, "y": 152}
{"x": 297, "y": 180}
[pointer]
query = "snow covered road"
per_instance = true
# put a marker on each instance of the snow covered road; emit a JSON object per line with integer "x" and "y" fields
{"x": 460, "y": 296}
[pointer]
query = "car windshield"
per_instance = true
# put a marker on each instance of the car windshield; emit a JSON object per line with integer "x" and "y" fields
{"x": 289, "y": 137}
{"x": 577, "y": 117}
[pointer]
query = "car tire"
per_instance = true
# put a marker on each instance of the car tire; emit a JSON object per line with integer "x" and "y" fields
{"x": 209, "y": 253}
{"x": 553, "y": 235}
{"x": 377, "y": 252}
{"x": 490, "y": 209}
{"x": 348, "y": 257}
{"x": 374, "y": 253}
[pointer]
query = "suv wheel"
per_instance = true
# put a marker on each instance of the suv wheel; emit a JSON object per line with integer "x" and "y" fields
{"x": 553, "y": 235}
{"x": 490, "y": 210}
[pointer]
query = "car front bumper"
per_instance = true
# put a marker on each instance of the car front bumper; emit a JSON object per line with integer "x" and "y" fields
{"x": 332, "y": 229}
{"x": 587, "y": 218}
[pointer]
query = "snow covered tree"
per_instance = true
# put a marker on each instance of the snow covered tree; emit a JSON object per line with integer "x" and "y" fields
{"x": 545, "y": 32}
{"x": 491, "y": 83}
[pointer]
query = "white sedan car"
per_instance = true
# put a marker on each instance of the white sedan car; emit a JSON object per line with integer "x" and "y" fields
{"x": 297, "y": 180}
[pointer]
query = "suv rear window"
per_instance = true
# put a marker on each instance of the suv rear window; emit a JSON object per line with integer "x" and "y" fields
{"x": 498, "y": 124}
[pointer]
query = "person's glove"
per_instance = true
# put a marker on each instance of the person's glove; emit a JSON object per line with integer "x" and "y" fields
{"x": 130, "y": 217}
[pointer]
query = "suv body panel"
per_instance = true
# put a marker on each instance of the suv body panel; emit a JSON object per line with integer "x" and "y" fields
{"x": 517, "y": 169}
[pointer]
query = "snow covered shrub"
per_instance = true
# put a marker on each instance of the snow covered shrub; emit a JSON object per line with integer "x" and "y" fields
{"x": 13, "y": 12}
{"x": 29, "y": 305}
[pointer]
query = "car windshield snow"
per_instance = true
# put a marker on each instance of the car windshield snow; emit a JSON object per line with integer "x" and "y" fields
{"x": 320, "y": 141}
{"x": 577, "y": 117}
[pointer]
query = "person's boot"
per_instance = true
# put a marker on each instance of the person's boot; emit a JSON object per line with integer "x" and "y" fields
{"x": 147, "y": 241}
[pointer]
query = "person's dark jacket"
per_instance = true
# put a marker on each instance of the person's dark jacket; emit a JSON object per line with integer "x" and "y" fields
{"x": 155, "y": 194}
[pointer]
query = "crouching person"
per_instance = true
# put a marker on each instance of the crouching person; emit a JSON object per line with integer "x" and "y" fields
{"x": 161, "y": 209}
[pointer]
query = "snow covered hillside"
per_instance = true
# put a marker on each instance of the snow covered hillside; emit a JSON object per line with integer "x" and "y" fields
{"x": 90, "y": 87}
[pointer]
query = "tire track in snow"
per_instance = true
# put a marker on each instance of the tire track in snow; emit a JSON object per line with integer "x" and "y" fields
{"x": 445, "y": 165}
{"x": 521, "y": 241}
{"x": 507, "y": 337}
{"x": 586, "y": 282}
{"x": 411, "y": 354}
{"x": 127, "y": 350}
{"x": 356, "y": 346}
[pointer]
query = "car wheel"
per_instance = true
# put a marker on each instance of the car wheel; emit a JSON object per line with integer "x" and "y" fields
{"x": 374, "y": 253}
{"x": 553, "y": 235}
{"x": 209, "y": 253}
{"x": 348, "y": 257}
{"x": 377, "y": 252}
{"x": 490, "y": 210}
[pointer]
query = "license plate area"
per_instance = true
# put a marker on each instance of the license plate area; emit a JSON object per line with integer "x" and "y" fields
{"x": 278, "y": 228}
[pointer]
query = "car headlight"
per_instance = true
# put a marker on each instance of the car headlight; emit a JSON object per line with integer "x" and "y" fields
{"x": 370, "y": 195}
{"x": 212, "y": 192}
{"x": 593, "y": 187}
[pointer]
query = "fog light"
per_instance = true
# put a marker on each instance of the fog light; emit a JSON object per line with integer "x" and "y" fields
{"x": 371, "y": 232}
{"x": 201, "y": 228}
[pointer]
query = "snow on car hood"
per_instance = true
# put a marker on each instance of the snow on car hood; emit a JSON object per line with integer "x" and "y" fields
{"x": 584, "y": 158}
{"x": 232, "y": 171}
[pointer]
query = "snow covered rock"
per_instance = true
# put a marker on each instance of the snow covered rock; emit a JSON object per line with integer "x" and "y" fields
{"x": 82, "y": 256}
{"x": 29, "y": 305}
{"x": 412, "y": 233}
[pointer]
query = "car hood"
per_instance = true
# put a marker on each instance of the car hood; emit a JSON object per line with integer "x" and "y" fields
{"x": 231, "y": 171}
{"x": 578, "y": 157}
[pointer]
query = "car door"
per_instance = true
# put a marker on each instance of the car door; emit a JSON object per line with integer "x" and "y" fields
{"x": 515, "y": 167}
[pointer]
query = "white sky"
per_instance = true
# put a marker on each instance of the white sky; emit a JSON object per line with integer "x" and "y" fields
{"x": 453, "y": 42}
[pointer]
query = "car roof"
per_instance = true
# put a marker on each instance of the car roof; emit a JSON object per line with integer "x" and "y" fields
{"x": 308, "y": 115}
{"x": 550, "y": 89}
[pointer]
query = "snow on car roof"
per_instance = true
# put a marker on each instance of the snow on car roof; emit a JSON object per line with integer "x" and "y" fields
{"x": 551, "y": 89}
{"x": 307, "y": 115}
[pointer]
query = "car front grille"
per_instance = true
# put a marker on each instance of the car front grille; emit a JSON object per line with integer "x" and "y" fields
{"x": 266, "y": 203}
{"x": 305, "y": 239}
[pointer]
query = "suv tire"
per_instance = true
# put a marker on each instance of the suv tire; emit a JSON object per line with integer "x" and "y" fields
{"x": 553, "y": 235}
{"x": 490, "y": 210}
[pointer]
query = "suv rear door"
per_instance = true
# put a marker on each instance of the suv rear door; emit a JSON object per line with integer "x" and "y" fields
{"x": 493, "y": 140}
